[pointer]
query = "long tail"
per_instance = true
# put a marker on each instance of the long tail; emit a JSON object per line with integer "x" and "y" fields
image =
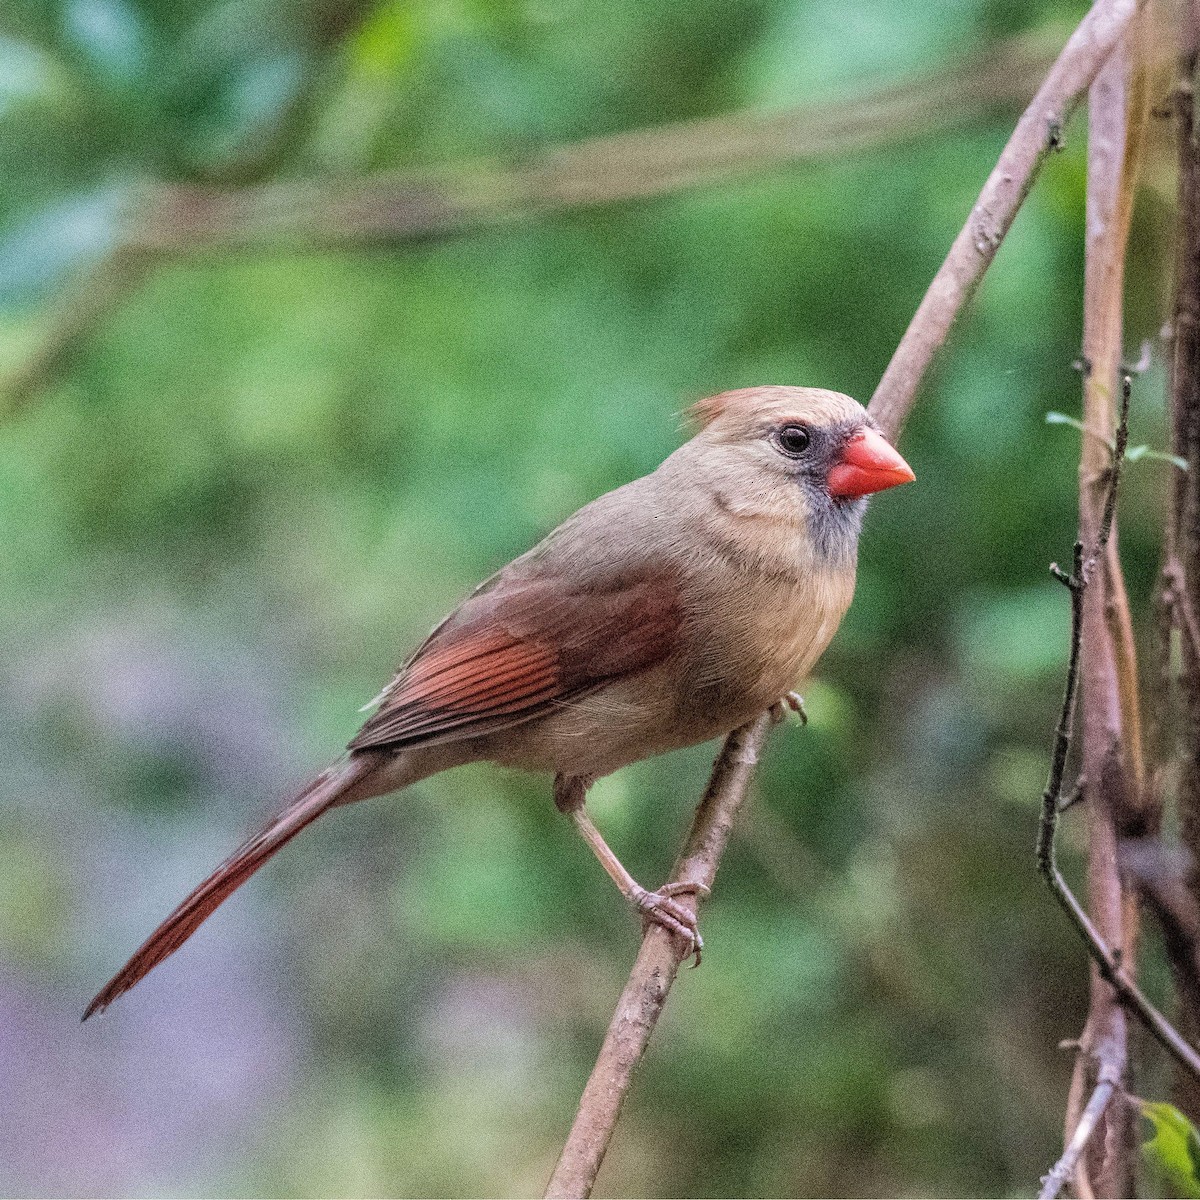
{"x": 331, "y": 787}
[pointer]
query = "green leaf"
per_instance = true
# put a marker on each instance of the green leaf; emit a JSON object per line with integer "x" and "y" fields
{"x": 1172, "y": 1155}
{"x": 1132, "y": 454}
{"x": 1136, "y": 452}
{"x": 1057, "y": 418}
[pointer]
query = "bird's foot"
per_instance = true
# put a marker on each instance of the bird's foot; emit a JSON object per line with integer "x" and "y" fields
{"x": 661, "y": 908}
{"x": 795, "y": 702}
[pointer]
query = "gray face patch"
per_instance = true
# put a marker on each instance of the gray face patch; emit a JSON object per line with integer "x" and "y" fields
{"x": 834, "y": 522}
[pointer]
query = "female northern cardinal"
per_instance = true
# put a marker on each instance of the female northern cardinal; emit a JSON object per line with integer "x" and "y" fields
{"x": 665, "y": 613}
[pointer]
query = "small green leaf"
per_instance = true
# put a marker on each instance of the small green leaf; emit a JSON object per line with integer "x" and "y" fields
{"x": 1172, "y": 1155}
{"x": 1174, "y": 459}
{"x": 1057, "y": 418}
{"x": 1136, "y": 452}
{"x": 1132, "y": 454}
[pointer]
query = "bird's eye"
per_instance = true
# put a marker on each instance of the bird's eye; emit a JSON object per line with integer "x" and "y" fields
{"x": 793, "y": 440}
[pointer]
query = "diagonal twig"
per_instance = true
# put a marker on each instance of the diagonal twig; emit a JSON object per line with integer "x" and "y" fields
{"x": 1038, "y": 132}
{"x": 654, "y": 972}
{"x": 1106, "y": 1086}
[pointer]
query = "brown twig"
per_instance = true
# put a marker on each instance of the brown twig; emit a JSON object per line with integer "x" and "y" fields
{"x": 1038, "y": 132}
{"x": 1109, "y": 965}
{"x": 654, "y": 972}
{"x": 1119, "y": 805}
{"x": 1108, "y": 1081}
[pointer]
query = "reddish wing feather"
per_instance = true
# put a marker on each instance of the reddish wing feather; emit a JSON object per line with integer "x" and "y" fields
{"x": 455, "y": 687}
{"x": 514, "y": 651}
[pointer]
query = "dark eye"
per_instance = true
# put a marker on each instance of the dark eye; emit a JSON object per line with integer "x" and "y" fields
{"x": 793, "y": 440}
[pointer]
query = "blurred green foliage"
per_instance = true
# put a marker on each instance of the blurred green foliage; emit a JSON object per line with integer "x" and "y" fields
{"x": 265, "y": 475}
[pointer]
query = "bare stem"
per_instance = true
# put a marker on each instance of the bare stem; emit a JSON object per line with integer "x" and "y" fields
{"x": 1110, "y": 967}
{"x": 1038, "y": 132}
{"x": 654, "y": 972}
{"x": 1106, "y": 1086}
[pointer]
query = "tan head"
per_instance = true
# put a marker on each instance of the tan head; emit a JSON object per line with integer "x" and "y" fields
{"x": 807, "y": 451}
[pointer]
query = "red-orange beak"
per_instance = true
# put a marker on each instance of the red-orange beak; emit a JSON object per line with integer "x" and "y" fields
{"x": 868, "y": 464}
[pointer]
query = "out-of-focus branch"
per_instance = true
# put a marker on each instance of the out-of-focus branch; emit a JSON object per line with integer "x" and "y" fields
{"x": 390, "y": 208}
{"x": 402, "y": 206}
{"x": 71, "y": 321}
{"x": 654, "y": 971}
{"x": 1037, "y": 133}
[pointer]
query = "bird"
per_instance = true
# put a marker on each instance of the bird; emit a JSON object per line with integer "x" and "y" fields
{"x": 663, "y": 614}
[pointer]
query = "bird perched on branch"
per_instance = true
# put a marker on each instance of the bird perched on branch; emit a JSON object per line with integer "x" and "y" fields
{"x": 665, "y": 613}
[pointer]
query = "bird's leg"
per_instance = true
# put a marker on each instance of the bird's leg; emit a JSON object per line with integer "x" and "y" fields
{"x": 659, "y": 907}
{"x": 795, "y": 702}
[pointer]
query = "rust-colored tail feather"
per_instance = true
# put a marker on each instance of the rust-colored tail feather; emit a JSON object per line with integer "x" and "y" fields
{"x": 322, "y": 793}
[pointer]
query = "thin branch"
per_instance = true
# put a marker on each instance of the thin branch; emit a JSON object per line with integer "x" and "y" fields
{"x": 396, "y": 207}
{"x": 400, "y": 206}
{"x": 1038, "y": 132}
{"x": 654, "y": 972}
{"x": 71, "y": 321}
{"x": 1108, "y": 1082}
{"x": 1120, "y": 805}
{"x": 1109, "y": 964}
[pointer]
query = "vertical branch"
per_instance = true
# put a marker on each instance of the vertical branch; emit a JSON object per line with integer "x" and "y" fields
{"x": 1108, "y": 1054}
{"x": 1111, "y": 759}
{"x": 1182, "y": 572}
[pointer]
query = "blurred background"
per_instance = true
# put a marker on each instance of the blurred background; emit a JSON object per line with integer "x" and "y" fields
{"x": 306, "y": 325}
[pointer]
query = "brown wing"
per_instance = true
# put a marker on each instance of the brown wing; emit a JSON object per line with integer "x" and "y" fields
{"x": 517, "y": 650}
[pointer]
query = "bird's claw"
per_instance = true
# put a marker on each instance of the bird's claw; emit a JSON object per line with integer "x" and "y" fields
{"x": 661, "y": 908}
{"x": 795, "y": 702}
{"x": 686, "y": 887}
